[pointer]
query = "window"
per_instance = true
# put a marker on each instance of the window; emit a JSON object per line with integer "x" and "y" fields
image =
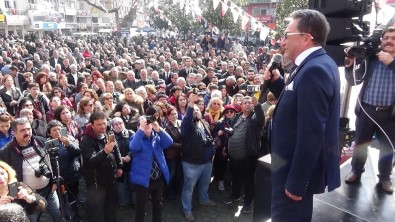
{"x": 70, "y": 18}
{"x": 259, "y": 11}
{"x": 260, "y": 1}
{"x": 71, "y": 4}
{"x": 95, "y": 20}
{"x": 105, "y": 20}
{"x": 8, "y": 4}
{"x": 32, "y": 1}
{"x": 82, "y": 5}
{"x": 81, "y": 20}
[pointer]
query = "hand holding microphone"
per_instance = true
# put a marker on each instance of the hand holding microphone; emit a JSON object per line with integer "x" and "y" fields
{"x": 272, "y": 73}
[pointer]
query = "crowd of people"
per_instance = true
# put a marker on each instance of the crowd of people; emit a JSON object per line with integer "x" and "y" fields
{"x": 135, "y": 118}
{"x": 152, "y": 118}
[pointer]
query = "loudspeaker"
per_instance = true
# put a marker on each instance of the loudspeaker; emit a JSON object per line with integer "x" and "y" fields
{"x": 342, "y": 8}
{"x": 336, "y": 52}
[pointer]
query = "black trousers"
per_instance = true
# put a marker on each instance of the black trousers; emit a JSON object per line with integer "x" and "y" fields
{"x": 101, "y": 203}
{"x": 219, "y": 164}
{"x": 142, "y": 194}
{"x": 243, "y": 172}
{"x": 365, "y": 130}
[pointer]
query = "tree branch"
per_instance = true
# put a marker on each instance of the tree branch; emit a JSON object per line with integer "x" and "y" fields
{"x": 101, "y": 7}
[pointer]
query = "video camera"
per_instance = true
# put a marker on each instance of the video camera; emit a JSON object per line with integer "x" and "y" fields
{"x": 150, "y": 119}
{"x": 370, "y": 46}
{"x": 52, "y": 147}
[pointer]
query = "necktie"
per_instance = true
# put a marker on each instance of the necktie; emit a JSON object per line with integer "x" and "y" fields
{"x": 292, "y": 72}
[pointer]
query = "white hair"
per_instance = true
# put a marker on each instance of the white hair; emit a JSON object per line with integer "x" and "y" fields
{"x": 216, "y": 93}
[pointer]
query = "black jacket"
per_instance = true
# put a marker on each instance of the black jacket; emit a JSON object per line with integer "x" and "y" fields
{"x": 194, "y": 148}
{"x": 123, "y": 139}
{"x": 7, "y": 99}
{"x": 98, "y": 167}
{"x": 255, "y": 123}
{"x": 12, "y": 155}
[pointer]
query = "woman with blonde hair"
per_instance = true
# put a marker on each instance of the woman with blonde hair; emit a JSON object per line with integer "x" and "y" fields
{"x": 151, "y": 91}
{"x": 214, "y": 111}
{"x": 108, "y": 104}
{"x": 132, "y": 99}
{"x": 24, "y": 195}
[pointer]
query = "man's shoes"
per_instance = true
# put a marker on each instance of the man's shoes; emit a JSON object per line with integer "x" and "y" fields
{"x": 210, "y": 203}
{"x": 189, "y": 217}
{"x": 231, "y": 199}
{"x": 353, "y": 178}
{"x": 221, "y": 185}
{"x": 387, "y": 186}
{"x": 246, "y": 209}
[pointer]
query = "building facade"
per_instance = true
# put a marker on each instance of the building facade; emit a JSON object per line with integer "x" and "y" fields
{"x": 68, "y": 16}
{"x": 263, "y": 10}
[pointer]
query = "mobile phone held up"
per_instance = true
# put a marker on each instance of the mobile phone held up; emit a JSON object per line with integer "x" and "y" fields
{"x": 13, "y": 189}
{"x": 111, "y": 137}
{"x": 63, "y": 132}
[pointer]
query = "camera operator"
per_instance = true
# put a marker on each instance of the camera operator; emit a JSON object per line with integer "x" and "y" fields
{"x": 149, "y": 166}
{"x": 101, "y": 165}
{"x": 69, "y": 165}
{"x": 197, "y": 153}
{"x": 243, "y": 150}
{"x": 26, "y": 154}
{"x": 377, "y": 98}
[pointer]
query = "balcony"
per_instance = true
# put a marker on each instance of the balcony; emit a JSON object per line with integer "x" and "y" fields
{"x": 11, "y": 11}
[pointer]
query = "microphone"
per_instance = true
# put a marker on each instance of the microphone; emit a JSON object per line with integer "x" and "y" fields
{"x": 275, "y": 63}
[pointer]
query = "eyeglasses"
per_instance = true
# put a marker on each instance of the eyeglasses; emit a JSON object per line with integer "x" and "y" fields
{"x": 229, "y": 111}
{"x": 296, "y": 33}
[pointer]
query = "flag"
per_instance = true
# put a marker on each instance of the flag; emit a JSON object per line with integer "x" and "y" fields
{"x": 224, "y": 7}
{"x": 215, "y": 4}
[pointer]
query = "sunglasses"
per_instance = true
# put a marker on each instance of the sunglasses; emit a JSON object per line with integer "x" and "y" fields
{"x": 229, "y": 111}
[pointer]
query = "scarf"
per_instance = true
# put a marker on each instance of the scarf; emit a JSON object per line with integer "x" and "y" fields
{"x": 214, "y": 115}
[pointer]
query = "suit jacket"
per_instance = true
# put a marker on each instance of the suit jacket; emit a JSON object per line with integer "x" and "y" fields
{"x": 70, "y": 78}
{"x": 305, "y": 128}
{"x": 184, "y": 73}
{"x": 52, "y": 61}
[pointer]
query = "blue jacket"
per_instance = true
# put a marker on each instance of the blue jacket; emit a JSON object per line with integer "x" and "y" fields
{"x": 143, "y": 149}
{"x": 4, "y": 140}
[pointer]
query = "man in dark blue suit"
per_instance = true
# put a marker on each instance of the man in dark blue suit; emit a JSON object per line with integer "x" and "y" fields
{"x": 305, "y": 154}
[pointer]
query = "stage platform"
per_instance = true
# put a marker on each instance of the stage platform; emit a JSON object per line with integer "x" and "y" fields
{"x": 364, "y": 201}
